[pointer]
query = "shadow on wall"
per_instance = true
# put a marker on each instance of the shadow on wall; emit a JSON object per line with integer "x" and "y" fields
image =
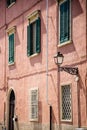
{"x": 77, "y": 9}
{"x": 17, "y": 126}
{"x": 81, "y": 86}
{"x": 40, "y": 112}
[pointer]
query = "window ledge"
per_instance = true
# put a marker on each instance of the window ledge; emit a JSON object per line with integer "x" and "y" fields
{"x": 11, "y": 4}
{"x": 34, "y": 120}
{"x": 10, "y": 64}
{"x": 33, "y": 55}
{"x": 66, "y": 120}
{"x": 64, "y": 43}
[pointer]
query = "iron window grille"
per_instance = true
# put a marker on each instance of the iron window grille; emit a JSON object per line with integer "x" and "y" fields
{"x": 66, "y": 103}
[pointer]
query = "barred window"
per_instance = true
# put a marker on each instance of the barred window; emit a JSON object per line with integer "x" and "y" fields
{"x": 66, "y": 102}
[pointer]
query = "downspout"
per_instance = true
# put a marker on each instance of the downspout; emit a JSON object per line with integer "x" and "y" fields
{"x": 86, "y": 44}
{"x": 5, "y": 74}
{"x": 86, "y": 29}
{"x": 47, "y": 52}
{"x": 50, "y": 107}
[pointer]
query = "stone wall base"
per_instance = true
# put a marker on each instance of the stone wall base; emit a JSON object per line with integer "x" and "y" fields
{"x": 38, "y": 126}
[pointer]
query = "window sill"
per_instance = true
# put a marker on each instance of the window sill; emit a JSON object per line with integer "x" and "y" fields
{"x": 64, "y": 43}
{"x": 33, "y": 55}
{"x": 32, "y": 120}
{"x": 10, "y": 64}
{"x": 66, "y": 120}
{"x": 11, "y": 4}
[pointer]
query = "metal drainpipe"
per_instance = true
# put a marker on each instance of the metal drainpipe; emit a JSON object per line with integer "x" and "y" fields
{"x": 5, "y": 76}
{"x": 5, "y": 70}
{"x": 86, "y": 31}
{"x": 50, "y": 107}
{"x": 47, "y": 52}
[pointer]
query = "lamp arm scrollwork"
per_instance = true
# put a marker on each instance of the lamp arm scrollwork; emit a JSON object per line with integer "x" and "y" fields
{"x": 73, "y": 71}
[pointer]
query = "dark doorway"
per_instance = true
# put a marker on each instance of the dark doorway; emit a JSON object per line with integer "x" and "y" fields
{"x": 11, "y": 110}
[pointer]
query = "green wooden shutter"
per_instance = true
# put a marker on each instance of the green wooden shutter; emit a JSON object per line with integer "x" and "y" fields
{"x": 61, "y": 23}
{"x": 38, "y": 35}
{"x": 8, "y": 3}
{"x": 11, "y": 48}
{"x": 14, "y": 0}
{"x": 29, "y": 40}
{"x": 64, "y": 21}
{"x": 67, "y": 21}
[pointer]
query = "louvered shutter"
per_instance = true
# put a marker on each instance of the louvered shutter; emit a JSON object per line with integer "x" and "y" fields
{"x": 38, "y": 35}
{"x": 67, "y": 20}
{"x": 61, "y": 23}
{"x": 11, "y": 48}
{"x": 64, "y": 21}
{"x": 29, "y": 40}
{"x": 34, "y": 104}
{"x": 33, "y": 49}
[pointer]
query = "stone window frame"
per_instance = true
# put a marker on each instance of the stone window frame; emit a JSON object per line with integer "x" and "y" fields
{"x": 32, "y": 18}
{"x": 70, "y": 39}
{"x": 11, "y": 31}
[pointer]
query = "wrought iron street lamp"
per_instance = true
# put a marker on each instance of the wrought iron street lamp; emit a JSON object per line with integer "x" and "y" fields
{"x": 58, "y": 58}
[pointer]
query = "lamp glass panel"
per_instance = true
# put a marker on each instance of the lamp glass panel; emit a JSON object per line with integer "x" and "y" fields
{"x": 60, "y": 60}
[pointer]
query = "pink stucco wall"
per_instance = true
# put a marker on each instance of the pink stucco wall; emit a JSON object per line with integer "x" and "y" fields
{"x": 31, "y": 72}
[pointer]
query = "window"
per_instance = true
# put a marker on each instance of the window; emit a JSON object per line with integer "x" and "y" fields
{"x": 11, "y": 39}
{"x": 66, "y": 102}
{"x": 11, "y": 48}
{"x": 33, "y": 35}
{"x": 64, "y": 21}
{"x": 34, "y": 105}
{"x": 10, "y": 2}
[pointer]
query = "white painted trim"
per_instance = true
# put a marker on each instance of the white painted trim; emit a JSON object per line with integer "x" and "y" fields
{"x": 11, "y": 5}
{"x": 11, "y": 30}
{"x": 64, "y": 43}
{"x": 33, "y": 55}
{"x": 33, "y": 16}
